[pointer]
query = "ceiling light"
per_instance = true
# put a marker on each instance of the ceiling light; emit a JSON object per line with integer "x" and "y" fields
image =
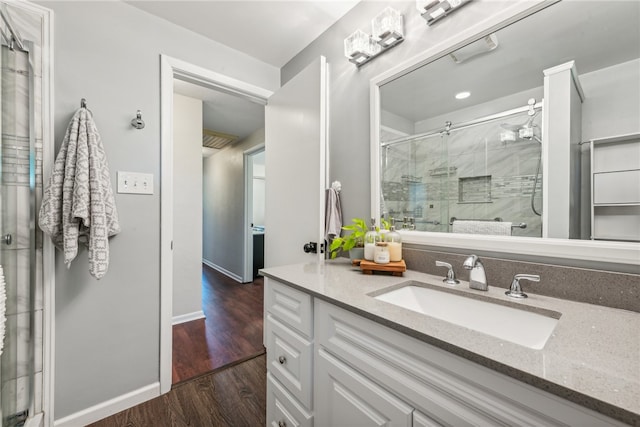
{"x": 463, "y": 95}
{"x": 388, "y": 31}
{"x": 434, "y": 10}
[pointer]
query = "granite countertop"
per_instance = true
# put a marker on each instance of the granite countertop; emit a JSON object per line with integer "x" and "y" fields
{"x": 592, "y": 358}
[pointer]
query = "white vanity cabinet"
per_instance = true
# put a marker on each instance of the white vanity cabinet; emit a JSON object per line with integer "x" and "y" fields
{"x": 363, "y": 373}
{"x": 288, "y": 326}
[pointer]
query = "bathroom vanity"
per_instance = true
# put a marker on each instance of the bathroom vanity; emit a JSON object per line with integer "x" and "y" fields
{"x": 339, "y": 356}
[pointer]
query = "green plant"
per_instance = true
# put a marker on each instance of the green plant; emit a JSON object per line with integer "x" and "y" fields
{"x": 352, "y": 240}
{"x": 356, "y": 238}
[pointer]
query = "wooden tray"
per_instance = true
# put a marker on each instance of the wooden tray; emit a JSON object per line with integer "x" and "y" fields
{"x": 395, "y": 268}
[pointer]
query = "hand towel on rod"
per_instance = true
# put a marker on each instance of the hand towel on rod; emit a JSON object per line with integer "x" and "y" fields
{"x": 78, "y": 203}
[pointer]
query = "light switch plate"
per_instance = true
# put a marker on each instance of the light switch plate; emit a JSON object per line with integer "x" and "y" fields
{"x": 135, "y": 183}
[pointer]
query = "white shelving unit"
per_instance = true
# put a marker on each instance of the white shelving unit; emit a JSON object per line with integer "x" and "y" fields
{"x": 615, "y": 188}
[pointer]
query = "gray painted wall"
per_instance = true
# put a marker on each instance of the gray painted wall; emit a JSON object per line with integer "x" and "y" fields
{"x": 223, "y": 191}
{"x": 187, "y": 206}
{"x": 107, "y": 332}
{"x": 349, "y": 86}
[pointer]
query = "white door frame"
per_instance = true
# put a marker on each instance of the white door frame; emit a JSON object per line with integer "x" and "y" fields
{"x": 171, "y": 68}
{"x": 248, "y": 211}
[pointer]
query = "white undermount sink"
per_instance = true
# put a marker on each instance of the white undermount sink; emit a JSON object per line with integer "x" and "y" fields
{"x": 510, "y": 324}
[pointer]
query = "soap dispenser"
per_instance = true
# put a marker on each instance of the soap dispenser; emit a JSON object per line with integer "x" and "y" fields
{"x": 394, "y": 243}
{"x": 370, "y": 240}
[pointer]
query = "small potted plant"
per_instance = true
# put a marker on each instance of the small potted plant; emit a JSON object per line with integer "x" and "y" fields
{"x": 353, "y": 242}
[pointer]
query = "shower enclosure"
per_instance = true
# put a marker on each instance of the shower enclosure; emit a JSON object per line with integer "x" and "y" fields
{"x": 21, "y": 253}
{"x": 487, "y": 169}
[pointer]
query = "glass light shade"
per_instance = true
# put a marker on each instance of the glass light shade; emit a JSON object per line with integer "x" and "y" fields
{"x": 358, "y": 47}
{"x": 387, "y": 27}
{"x": 424, "y": 5}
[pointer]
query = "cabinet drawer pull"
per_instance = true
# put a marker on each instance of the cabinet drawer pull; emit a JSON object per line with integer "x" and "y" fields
{"x": 282, "y": 424}
{"x": 282, "y": 360}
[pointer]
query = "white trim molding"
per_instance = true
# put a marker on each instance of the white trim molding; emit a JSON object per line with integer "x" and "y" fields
{"x": 170, "y": 69}
{"x": 223, "y": 270}
{"x": 184, "y": 318}
{"x": 110, "y": 407}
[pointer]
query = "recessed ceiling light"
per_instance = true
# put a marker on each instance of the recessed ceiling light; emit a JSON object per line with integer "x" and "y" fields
{"x": 463, "y": 95}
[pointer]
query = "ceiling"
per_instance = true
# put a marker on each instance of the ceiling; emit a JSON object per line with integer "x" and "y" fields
{"x": 595, "y": 34}
{"x": 271, "y": 31}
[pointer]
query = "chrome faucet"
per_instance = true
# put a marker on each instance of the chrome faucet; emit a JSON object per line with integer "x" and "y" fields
{"x": 451, "y": 276}
{"x": 516, "y": 289}
{"x": 477, "y": 275}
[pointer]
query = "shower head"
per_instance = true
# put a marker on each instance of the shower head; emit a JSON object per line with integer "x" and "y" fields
{"x": 523, "y": 131}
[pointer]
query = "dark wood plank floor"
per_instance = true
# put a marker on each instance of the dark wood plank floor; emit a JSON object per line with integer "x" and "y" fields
{"x": 235, "y": 396}
{"x": 230, "y": 333}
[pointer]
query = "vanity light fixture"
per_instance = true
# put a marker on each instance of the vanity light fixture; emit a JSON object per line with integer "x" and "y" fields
{"x": 434, "y": 10}
{"x": 463, "y": 95}
{"x": 387, "y": 30}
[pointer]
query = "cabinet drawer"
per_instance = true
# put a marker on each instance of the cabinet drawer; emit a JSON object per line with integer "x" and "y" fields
{"x": 282, "y": 408}
{"x": 616, "y": 187}
{"x": 290, "y": 306}
{"x": 290, "y": 360}
{"x": 346, "y": 398}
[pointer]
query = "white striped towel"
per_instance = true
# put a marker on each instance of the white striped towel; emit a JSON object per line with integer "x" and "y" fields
{"x": 495, "y": 228}
{"x": 78, "y": 203}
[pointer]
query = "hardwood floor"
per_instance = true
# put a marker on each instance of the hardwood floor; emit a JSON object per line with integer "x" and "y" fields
{"x": 232, "y": 397}
{"x": 230, "y": 333}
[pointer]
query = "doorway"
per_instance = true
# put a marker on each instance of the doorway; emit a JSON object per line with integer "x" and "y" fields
{"x": 172, "y": 69}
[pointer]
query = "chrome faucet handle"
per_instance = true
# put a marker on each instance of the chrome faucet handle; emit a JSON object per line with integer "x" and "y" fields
{"x": 451, "y": 276}
{"x": 516, "y": 288}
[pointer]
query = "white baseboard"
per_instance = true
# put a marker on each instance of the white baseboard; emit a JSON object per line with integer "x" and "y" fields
{"x": 110, "y": 407}
{"x": 223, "y": 271}
{"x": 36, "y": 420}
{"x": 176, "y": 320}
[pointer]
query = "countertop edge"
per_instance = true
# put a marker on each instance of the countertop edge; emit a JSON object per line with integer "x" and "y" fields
{"x": 581, "y": 399}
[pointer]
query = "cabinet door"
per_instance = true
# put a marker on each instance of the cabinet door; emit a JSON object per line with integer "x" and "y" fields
{"x": 421, "y": 420}
{"x": 346, "y": 398}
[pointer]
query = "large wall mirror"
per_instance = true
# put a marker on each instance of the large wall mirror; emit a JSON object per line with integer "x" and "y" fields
{"x": 491, "y": 145}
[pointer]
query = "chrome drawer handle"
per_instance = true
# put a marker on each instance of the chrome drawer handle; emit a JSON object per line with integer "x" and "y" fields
{"x": 282, "y": 424}
{"x": 282, "y": 360}
{"x": 7, "y": 239}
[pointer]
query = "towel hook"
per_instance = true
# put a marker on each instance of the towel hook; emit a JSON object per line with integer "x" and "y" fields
{"x": 138, "y": 123}
{"x": 83, "y": 103}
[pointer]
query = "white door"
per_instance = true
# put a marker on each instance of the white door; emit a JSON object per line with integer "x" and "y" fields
{"x": 295, "y": 164}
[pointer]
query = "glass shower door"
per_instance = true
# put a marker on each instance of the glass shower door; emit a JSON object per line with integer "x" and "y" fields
{"x": 17, "y": 235}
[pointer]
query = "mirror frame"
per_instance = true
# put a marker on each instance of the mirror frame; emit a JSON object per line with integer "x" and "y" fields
{"x": 610, "y": 252}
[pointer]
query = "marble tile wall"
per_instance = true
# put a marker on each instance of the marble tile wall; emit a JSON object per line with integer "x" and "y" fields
{"x": 468, "y": 174}
{"x": 15, "y": 214}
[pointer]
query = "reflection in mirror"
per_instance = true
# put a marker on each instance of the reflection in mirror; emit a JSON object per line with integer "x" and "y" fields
{"x": 488, "y": 163}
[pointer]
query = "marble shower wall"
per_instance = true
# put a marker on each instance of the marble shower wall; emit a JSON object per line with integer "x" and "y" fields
{"x": 474, "y": 173}
{"x": 15, "y": 372}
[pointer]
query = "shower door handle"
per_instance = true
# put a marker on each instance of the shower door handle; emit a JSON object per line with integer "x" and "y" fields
{"x": 7, "y": 239}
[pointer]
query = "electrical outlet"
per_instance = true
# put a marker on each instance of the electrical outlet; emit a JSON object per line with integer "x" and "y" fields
{"x": 135, "y": 183}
